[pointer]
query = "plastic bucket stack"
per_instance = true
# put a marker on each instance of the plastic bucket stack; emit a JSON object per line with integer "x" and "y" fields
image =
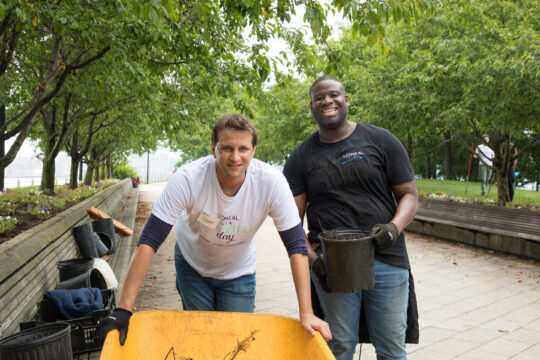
{"x": 349, "y": 259}
{"x": 70, "y": 268}
{"x": 89, "y": 279}
{"x": 105, "y": 229}
{"x": 43, "y": 342}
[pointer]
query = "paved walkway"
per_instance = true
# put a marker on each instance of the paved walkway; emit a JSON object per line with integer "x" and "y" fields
{"x": 473, "y": 304}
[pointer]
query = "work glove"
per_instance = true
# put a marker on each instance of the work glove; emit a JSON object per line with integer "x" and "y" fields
{"x": 320, "y": 271}
{"x": 384, "y": 236}
{"x": 118, "y": 319}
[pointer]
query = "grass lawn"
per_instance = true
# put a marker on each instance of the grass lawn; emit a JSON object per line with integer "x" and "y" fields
{"x": 471, "y": 191}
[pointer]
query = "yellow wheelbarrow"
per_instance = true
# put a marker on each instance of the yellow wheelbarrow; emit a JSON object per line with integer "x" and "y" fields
{"x": 205, "y": 335}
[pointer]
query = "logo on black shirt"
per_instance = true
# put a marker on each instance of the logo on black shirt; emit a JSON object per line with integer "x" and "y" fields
{"x": 358, "y": 155}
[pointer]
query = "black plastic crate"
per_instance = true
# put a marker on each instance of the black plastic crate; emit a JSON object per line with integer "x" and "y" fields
{"x": 84, "y": 336}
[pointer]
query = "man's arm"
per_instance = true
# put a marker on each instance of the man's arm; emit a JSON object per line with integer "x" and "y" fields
{"x": 406, "y": 197}
{"x": 154, "y": 233}
{"x": 300, "y": 273}
{"x": 138, "y": 267}
{"x": 301, "y": 204}
{"x": 119, "y": 318}
{"x": 300, "y": 265}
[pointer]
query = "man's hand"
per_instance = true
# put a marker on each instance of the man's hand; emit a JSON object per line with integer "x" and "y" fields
{"x": 118, "y": 319}
{"x": 312, "y": 323}
{"x": 384, "y": 236}
{"x": 320, "y": 271}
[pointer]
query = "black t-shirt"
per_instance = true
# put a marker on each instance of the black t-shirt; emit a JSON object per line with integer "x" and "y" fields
{"x": 348, "y": 183}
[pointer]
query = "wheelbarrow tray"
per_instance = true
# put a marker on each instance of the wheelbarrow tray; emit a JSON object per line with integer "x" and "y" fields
{"x": 205, "y": 335}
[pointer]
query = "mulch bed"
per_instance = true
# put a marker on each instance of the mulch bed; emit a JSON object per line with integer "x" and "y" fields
{"x": 27, "y": 221}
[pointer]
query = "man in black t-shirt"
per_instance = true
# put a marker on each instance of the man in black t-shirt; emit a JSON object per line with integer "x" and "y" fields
{"x": 356, "y": 176}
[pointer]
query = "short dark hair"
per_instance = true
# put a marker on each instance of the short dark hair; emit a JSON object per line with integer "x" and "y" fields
{"x": 234, "y": 122}
{"x": 322, "y": 78}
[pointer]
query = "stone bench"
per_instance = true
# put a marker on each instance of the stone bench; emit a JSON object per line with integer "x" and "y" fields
{"x": 514, "y": 231}
{"x": 28, "y": 261}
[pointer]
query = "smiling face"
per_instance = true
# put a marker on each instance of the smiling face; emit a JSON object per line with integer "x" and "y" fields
{"x": 233, "y": 152}
{"x": 329, "y": 104}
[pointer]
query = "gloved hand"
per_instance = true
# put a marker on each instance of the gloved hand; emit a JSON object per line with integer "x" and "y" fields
{"x": 320, "y": 271}
{"x": 384, "y": 236}
{"x": 118, "y": 319}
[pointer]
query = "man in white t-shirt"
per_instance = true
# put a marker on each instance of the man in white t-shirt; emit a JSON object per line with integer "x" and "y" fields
{"x": 218, "y": 203}
{"x": 485, "y": 156}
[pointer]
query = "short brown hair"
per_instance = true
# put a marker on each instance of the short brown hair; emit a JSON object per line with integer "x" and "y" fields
{"x": 234, "y": 122}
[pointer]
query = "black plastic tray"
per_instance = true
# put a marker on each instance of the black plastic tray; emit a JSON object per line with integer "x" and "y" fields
{"x": 84, "y": 336}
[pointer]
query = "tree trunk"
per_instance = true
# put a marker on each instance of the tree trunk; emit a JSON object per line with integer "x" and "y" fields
{"x": 47, "y": 176}
{"x": 96, "y": 172}
{"x": 410, "y": 149}
{"x": 89, "y": 173}
{"x": 503, "y": 196}
{"x": 2, "y": 144}
{"x": 102, "y": 174}
{"x": 428, "y": 167}
{"x": 448, "y": 157}
{"x": 73, "y": 172}
{"x": 109, "y": 167}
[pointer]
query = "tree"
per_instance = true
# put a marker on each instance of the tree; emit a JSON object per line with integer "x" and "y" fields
{"x": 40, "y": 49}
{"x": 470, "y": 68}
{"x": 283, "y": 119}
{"x": 195, "y": 50}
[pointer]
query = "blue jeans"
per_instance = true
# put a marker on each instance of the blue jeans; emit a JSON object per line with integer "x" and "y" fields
{"x": 386, "y": 314}
{"x": 205, "y": 293}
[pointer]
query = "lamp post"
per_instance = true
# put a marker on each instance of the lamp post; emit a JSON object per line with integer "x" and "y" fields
{"x": 148, "y": 167}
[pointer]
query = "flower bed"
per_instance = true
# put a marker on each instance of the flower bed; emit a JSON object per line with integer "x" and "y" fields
{"x": 24, "y": 208}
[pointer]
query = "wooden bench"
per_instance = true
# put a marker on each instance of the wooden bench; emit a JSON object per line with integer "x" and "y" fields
{"x": 28, "y": 261}
{"x": 515, "y": 231}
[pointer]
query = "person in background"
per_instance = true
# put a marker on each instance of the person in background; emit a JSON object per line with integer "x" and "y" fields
{"x": 357, "y": 176}
{"x": 218, "y": 203}
{"x": 512, "y": 171}
{"x": 485, "y": 155}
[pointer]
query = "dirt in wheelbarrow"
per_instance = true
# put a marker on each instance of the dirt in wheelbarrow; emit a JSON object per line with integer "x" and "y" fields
{"x": 242, "y": 345}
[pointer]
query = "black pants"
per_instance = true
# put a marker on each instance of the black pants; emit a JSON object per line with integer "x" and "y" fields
{"x": 511, "y": 181}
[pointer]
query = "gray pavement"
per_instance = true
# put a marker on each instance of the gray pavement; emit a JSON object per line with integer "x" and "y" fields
{"x": 473, "y": 303}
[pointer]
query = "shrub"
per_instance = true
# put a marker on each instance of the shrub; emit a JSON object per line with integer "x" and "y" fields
{"x": 7, "y": 223}
{"x": 124, "y": 171}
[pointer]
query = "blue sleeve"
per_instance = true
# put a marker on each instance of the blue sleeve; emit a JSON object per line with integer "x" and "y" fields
{"x": 155, "y": 232}
{"x": 294, "y": 240}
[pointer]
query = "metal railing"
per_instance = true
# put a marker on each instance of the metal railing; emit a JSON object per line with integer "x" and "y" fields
{"x": 30, "y": 180}
{"x": 11, "y": 182}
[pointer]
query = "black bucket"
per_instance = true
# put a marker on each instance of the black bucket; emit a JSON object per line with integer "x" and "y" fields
{"x": 84, "y": 236}
{"x": 102, "y": 245}
{"x": 349, "y": 259}
{"x": 105, "y": 229}
{"x": 43, "y": 342}
{"x": 68, "y": 269}
{"x": 134, "y": 182}
{"x": 92, "y": 278}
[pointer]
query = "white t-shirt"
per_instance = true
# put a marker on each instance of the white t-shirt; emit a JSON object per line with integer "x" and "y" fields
{"x": 214, "y": 231}
{"x": 487, "y": 156}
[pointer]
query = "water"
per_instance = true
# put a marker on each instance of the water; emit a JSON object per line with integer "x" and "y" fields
{"x": 24, "y": 181}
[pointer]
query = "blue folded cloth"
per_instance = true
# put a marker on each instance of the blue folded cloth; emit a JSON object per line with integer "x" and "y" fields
{"x": 77, "y": 302}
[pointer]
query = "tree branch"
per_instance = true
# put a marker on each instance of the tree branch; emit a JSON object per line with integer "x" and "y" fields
{"x": 88, "y": 61}
{"x": 167, "y": 63}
